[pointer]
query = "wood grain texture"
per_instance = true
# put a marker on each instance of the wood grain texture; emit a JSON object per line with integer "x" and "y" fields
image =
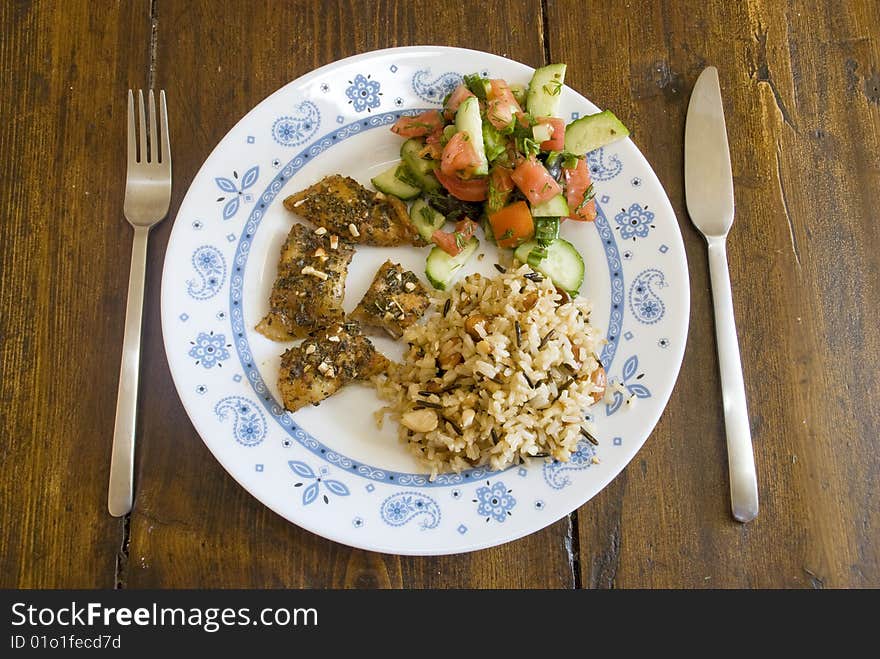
{"x": 63, "y": 270}
{"x": 800, "y": 84}
{"x": 193, "y": 525}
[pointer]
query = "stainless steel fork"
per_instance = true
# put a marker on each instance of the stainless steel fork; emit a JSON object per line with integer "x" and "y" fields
{"x": 147, "y": 197}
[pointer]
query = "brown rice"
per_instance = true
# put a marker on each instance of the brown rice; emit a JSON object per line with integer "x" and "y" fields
{"x": 505, "y": 374}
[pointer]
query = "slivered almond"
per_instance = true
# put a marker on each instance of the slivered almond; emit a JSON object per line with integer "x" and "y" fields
{"x": 333, "y": 339}
{"x": 310, "y": 348}
{"x": 309, "y": 270}
{"x": 334, "y": 241}
{"x": 420, "y": 420}
{"x": 320, "y": 252}
{"x": 353, "y": 230}
{"x": 320, "y": 231}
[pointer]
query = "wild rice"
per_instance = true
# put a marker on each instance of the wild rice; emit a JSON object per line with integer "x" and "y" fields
{"x": 489, "y": 416}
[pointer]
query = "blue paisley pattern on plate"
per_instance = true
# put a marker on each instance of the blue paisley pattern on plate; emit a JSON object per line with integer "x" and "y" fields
{"x": 248, "y": 422}
{"x": 644, "y": 302}
{"x": 299, "y": 127}
{"x": 321, "y": 483}
{"x": 434, "y": 91}
{"x": 581, "y": 458}
{"x": 637, "y": 389}
{"x": 400, "y": 508}
{"x": 363, "y": 93}
{"x": 634, "y": 221}
{"x": 209, "y": 349}
{"x": 494, "y": 501}
{"x": 230, "y": 208}
{"x": 600, "y": 169}
{"x": 240, "y": 334}
{"x": 210, "y": 267}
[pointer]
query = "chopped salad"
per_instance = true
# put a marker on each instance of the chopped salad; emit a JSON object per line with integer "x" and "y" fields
{"x": 499, "y": 156}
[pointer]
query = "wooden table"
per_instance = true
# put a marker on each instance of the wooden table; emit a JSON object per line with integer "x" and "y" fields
{"x": 801, "y": 84}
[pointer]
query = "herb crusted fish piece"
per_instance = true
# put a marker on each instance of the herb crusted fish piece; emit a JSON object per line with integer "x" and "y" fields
{"x": 325, "y": 362}
{"x": 310, "y": 285}
{"x": 395, "y": 300}
{"x": 358, "y": 215}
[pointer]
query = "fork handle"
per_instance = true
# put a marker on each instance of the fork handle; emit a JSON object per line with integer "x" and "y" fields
{"x": 119, "y": 499}
{"x": 740, "y": 455}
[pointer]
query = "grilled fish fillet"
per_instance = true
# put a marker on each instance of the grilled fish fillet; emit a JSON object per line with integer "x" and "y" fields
{"x": 395, "y": 300}
{"x": 345, "y": 207}
{"x": 310, "y": 285}
{"x": 325, "y": 362}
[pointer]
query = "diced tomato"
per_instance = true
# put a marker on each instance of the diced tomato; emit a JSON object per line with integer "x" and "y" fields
{"x": 466, "y": 227}
{"x": 452, "y": 242}
{"x": 512, "y": 225}
{"x": 535, "y": 182}
{"x": 436, "y": 137}
{"x": 500, "y": 187}
{"x": 578, "y": 186}
{"x": 459, "y": 156}
{"x": 557, "y": 141}
{"x": 475, "y": 189}
{"x": 445, "y": 241}
{"x": 502, "y": 107}
{"x": 501, "y": 179}
{"x": 523, "y": 119}
{"x": 455, "y": 99}
{"x": 418, "y": 126}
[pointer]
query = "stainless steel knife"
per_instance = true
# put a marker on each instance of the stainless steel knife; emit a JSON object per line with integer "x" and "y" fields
{"x": 708, "y": 183}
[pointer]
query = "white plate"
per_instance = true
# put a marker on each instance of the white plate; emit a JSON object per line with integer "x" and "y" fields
{"x": 328, "y": 468}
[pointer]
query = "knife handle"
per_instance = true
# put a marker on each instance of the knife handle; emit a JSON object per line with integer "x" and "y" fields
{"x": 740, "y": 455}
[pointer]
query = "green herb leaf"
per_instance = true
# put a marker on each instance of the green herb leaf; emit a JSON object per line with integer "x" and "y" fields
{"x": 530, "y": 147}
{"x": 554, "y": 88}
{"x": 476, "y": 85}
{"x": 570, "y": 160}
{"x": 494, "y": 142}
{"x": 589, "y": 193}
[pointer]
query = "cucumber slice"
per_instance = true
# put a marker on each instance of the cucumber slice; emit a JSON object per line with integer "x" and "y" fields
{"x": 468, "y": 121}
{"x": 553, "y": 207}
{"x": 542, "y": 132}
{"x": 425, "y": 219}
{"x": 546, "y": 231}
{"x": 562, "y": 263}
{"x": 391, "y": 182}
{"x": 593, "y": 131}
{"x": 493, "y": 141}
{"x": 545, "y": 90}
{"x": 420, "y": 168}
{"x": 441, "y": 269}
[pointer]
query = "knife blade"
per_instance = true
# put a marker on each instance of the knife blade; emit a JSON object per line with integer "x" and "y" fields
{"x": 708, "y": 180}
{"x": 709, "y": 193}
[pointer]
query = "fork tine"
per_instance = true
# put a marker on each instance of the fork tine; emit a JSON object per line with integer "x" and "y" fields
{"x": 154, "y": 136}
{"x": 163, "y": 120}
{"x": 142, "y": 127}
{"x": 132, "y": 136}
